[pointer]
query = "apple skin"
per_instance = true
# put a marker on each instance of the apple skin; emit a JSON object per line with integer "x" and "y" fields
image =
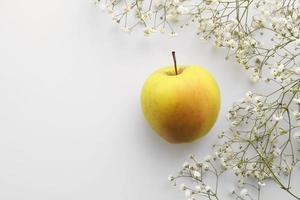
{"x": 181, "y": 108}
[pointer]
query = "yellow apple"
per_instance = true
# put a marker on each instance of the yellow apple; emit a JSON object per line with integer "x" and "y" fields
{"x": 181, "y": 105}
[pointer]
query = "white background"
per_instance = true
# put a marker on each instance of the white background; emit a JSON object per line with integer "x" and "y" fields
{"x": 71, "y": 126}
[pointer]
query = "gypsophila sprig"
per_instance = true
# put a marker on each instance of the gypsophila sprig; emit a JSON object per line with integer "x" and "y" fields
{"x": 236, "y": 25}
{"x": 263, "y": 142}
{"x": 200, "y": 180}
{"x": 197, "y": 174}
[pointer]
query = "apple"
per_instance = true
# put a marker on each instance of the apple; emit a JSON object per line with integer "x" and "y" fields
{"x": 181, "y": 103}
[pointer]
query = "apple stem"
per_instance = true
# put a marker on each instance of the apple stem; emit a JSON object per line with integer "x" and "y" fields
{"x": 175, "y": 64}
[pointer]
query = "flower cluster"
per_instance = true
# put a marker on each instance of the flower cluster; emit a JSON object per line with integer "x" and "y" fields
{"x": 235, "y": 25}
{"x": 204, "y": 180}
{"x": 263, "y": 143}
{"x": 198, "y": 173}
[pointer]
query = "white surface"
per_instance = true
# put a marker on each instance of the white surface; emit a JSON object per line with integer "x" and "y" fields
{"x": 71, "y": 126}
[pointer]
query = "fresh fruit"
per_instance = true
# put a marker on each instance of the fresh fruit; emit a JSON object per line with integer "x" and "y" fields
{"x": 181, "y": 103}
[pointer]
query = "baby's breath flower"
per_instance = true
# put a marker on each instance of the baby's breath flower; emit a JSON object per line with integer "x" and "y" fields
{"x": 261, "y": 184}
{"x": 296, "y": 115}
{"x": 276, "y": 152}
{"x": 254, "y": 78}
{"x": 182, "y": 10}
{"x": 196, "y": 174}
{"x": 170, "y": 178}
{"x": 207, "y": 158}
{"x": 221, "y": 135}
{"x": 148, "y": 31}
{"x": 207, "y": 188}
{"x": 173, "y": 34}
{"x": 232, "y": 191}
{"x": 278, "y": 116}
{"x": 185, "y": 165}
{"x": 205, "y": 167}
{"x": 183, "y": 187}
{"x": 244, "y": 193}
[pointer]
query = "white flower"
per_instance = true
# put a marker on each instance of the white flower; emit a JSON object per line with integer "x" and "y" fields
{"x": 162, "y": 30}
{"x": 232, "y": 191}
{"x": 236, "y": 170}
{"x": 210, "y": 24}
{"x": 183, "y": 10}
{"x": 126, "y": 8}
{"x": 235, "y": 123}
{"x": 173, "y": 34}
{"x": 274, "y": 72}
{"x": 185, "y": 165}
{"x": 280, "y": 67}
{"x": 205, "y": 167}
{"x": 296, "y": 115}
{"x": 249, "y": 95}
{"x": 110, "y": 9}
{"x": 172, "y": 17}
{"x": 221, "y": 135}
{"x": 196, "y": 174}
{"x": 261, "y": 184}
{"x": 244, "y": 192}
{"x": 170, "y": 178}
{"x": 254, "y": 78}
{"x": 232, "y": 43}
{"x": 278, "y": 116}
{"x": 207, "y": 158}
{"x": 183, "y": 187}
{"x": 148, "y": 31}
{"x": 241, "y": 182}
{"x": 223, "y": 163}
{"x": 207, "y": 188}
{"x": 282, "y": 131}
{"x": 227, "y": 35}
{"x": 276, "y": 152}
{"x": 258, "y": 99}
